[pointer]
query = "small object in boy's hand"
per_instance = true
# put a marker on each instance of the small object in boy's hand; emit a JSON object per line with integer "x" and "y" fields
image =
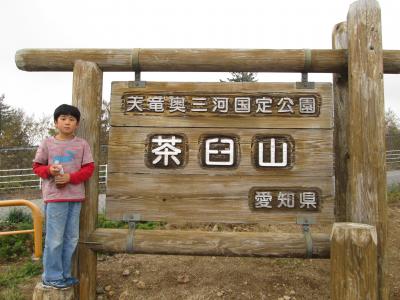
{"x": 60, "y": 170}
{"x": 62, "y": 180}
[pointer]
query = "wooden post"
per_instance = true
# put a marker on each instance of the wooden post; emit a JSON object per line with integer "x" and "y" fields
{"x": 86, "y": 95}
{"x": 340, "y": 101}
{"x": 353, "y": 262}
{"x": 366, "y": 189}
{"x": 42, "y": 293}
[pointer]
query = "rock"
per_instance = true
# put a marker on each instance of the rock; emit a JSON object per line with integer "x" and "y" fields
{"x": 137, "y": 272}
{"x": 99, "y": 290}
{"x": 141, "y": 285}
{"x": 126, "y": 272}
{"x": 100, "y": 297}
{"x": 292, "y": 292}
{"x": 107, "y": 288}
{"x": 245, "y": 283}
{"x": 125, "y": 296}
{"x": 184, "y": 278}
{"x": 135, "y": 281}
{"x": 111, "y": 293}
{"x": 220, "y": 293}
{"x": 286, "y": 297}
{"x": 215, "y": 228}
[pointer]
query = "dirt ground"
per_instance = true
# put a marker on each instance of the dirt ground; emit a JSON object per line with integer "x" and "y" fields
{"x": 124, "y": 276}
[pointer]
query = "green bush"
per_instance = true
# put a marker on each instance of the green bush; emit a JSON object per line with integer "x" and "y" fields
{"x": 148, "y": 225}
{"x": 103, "y": 222}
{"x": 17, "y": 245}
{"x": 19, "y": 216}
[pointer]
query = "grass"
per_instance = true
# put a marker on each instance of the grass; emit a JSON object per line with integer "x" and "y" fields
{"x": 15, "y": 248}
{"x": 11, "y": 294}
{"x": 393, "y": 194}
{"x": 12, "y": 276}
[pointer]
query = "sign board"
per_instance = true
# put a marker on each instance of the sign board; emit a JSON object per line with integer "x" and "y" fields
{"x": 221, "y": 152}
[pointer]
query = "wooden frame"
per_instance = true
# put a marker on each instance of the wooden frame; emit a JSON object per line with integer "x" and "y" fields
{"x": 196, "y": 60}
{"x": 358, "y": 85}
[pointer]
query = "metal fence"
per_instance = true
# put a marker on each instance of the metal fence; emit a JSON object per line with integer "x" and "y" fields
{"x": 14, "y": 179}
{"x": 393, "y": 159}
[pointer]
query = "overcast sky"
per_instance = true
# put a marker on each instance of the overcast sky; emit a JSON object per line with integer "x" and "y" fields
{"x": 283, "y": 24}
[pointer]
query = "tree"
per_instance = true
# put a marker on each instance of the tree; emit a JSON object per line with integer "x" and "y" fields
{"x": 392, "y": 122}
{"x": 39, "y": 129}
{"x": 104, "y": 131}
{"x": 242, "y": 77}
{"x": 392, "y": 130}
{"x": 105, "y": 122}
{"x": 12, "y": 127}
{"x": 19, "y": 134}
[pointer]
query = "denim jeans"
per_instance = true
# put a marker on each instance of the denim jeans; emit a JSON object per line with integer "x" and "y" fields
{"x": 62, "y": 234}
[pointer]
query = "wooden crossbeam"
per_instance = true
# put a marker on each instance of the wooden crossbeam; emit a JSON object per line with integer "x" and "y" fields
{"x": 197, "y": 60}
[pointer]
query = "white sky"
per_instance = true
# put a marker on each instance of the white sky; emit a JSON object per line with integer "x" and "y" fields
{"x": 262, "y": 24}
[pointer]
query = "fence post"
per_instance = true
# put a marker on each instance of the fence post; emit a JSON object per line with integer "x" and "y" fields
{"x": 366, "y": 186}
{"x": 354, "y": 266}
{"x": 87, "y": 90}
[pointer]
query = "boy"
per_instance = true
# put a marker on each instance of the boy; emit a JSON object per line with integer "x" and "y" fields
{"x": 64, "y": 162}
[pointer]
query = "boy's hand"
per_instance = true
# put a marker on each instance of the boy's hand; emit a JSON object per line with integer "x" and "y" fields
{"x": 55, "y": 170}
{"x": 62, "y": 179}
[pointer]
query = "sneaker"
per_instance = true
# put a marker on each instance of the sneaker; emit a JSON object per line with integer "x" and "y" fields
{"x": 55, "y": 284}
{"x": 70, "y": 281}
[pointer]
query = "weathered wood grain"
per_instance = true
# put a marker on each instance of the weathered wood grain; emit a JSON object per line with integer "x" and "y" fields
{"x": 312, "y": 151}
{"x": 366, "y": 127}
{"x": 86, "y": 95}
{"x": 42, "y": 293}
{"x": 210, "y": 243}
{"x": 195, "y": 60}
{"x": 341, "y": 101}
{"x": 237, "y": 120}
{"x": 204, "y": 198}
{"x": 354, "y": 265}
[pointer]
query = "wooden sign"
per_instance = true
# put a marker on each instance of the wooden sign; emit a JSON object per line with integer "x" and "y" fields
{"x": 220, "y": 152}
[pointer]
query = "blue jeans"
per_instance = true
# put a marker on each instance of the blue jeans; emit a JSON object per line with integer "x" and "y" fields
{"x": 62, "y": 234}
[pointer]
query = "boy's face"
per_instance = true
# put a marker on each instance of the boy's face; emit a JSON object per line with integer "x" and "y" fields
{"x": 66, "y": 124}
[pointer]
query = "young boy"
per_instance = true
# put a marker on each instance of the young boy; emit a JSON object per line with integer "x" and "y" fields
{"x": 64, "y": 162}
